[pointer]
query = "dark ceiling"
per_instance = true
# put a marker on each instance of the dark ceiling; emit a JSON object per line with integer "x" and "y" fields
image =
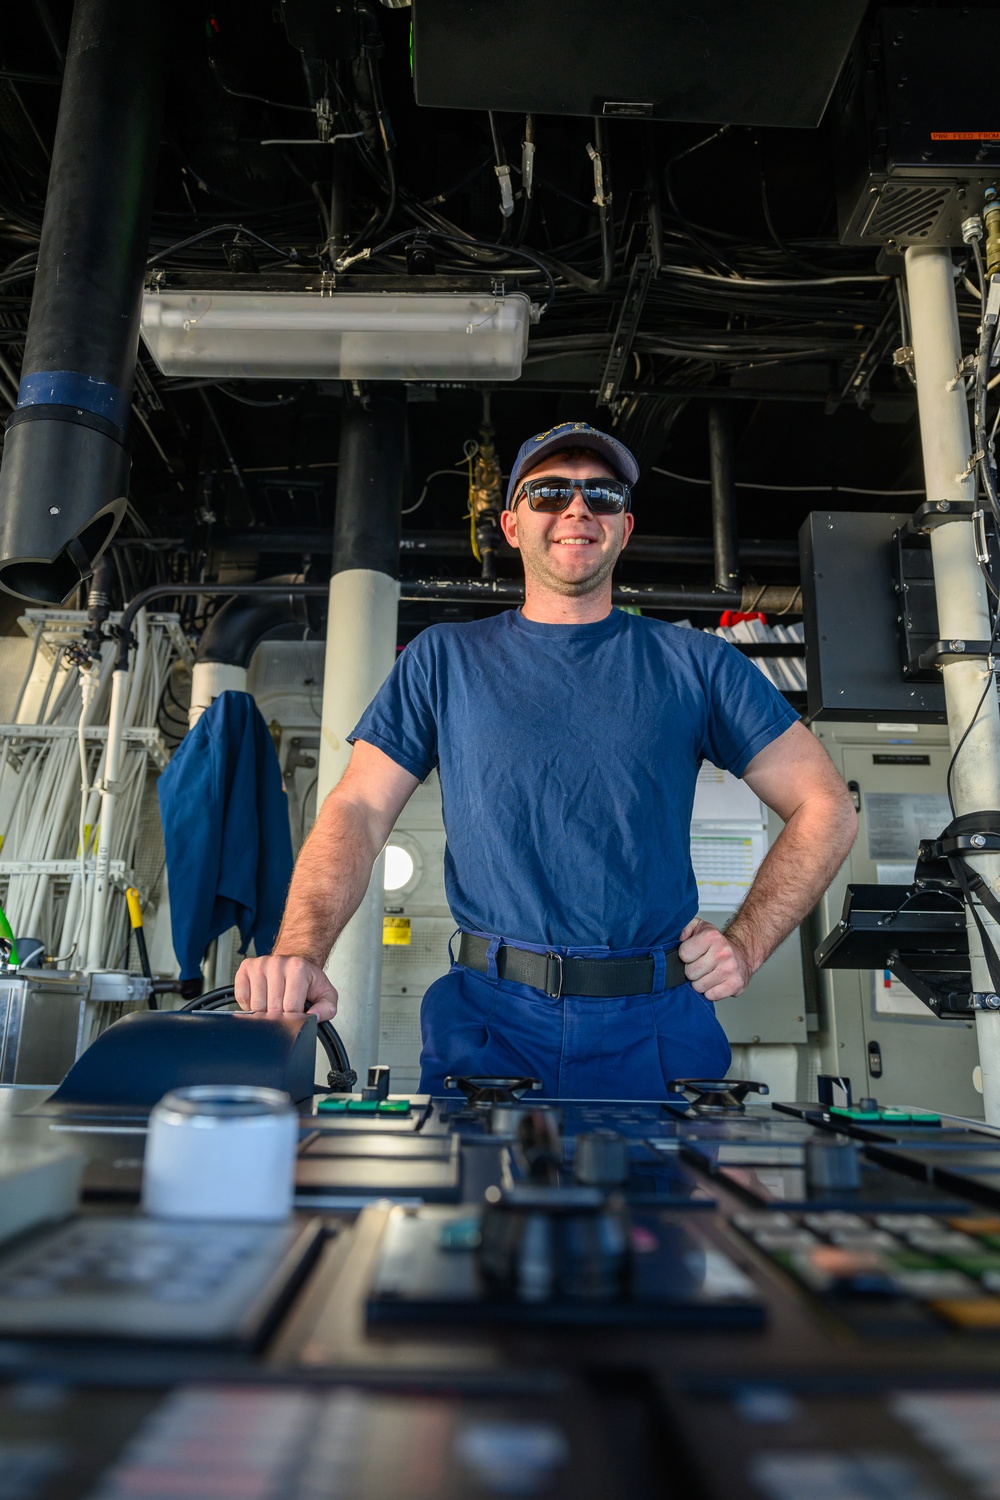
{"x": 822, "y": 417}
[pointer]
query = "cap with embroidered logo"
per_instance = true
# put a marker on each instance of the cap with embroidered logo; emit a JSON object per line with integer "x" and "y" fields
{"x": 572, "y": 435}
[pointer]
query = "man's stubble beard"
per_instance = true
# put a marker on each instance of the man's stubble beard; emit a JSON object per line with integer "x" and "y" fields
{"x": 536, "y": 571}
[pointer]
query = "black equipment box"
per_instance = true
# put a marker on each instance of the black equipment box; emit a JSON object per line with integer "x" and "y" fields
{"x": 880, "y": 920}
{"x": 854, "y": 666}
{"x": 917, "y": 137}
{"x": 748, "y": 62}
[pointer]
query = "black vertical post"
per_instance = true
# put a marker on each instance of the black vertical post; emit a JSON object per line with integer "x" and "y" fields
{"x": 725, "y": 539}
{"x": 340, "y": 200}
{"x": 370, "y": 483}
{"x": 64, "y": 478}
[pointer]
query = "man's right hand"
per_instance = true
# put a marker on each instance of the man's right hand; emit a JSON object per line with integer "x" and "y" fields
{"x": 283, "y": 983}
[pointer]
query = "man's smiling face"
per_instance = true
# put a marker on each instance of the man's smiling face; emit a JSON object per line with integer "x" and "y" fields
{"x": 572, "y": 551}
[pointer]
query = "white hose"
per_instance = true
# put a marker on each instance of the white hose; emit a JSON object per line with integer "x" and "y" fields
{"x": 70, "y": 796}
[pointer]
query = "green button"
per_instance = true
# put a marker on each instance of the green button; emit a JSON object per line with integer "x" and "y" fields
{"x": 394, "y": 1107}
{"x": 362, "y": 1106}
{"x": 333, "y": 1106}
{"x": 974, "y": 1265}
{"x": 919, "y": 1118}
{"x": 895, "y": 1117}
{"x": 460, "y": 1234}
{"x": 912, "y": 1260}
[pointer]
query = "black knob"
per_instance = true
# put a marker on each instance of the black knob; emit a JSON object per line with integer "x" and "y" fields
{"x": 601, "y": 1159}
{"x": 832, "y": 1164}
{"x": 538, "y": 1244}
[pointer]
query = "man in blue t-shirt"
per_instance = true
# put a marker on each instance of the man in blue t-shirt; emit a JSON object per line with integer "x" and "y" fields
{"x": 568, "y": 736}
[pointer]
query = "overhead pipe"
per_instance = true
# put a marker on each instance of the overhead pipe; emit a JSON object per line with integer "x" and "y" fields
{"x": 223, "y": 655}
{"x": 64, "y": 476}
{"x": 641, "y": 548}
{"x": 772, "y": 598}
{"x": 725, "y": 538}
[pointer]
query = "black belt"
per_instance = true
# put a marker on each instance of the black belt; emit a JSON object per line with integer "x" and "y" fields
{"x": 593, "y": 978}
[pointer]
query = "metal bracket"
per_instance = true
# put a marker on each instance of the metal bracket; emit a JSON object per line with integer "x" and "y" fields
{"x": 945, "y": 1004}
{"x": 625, "y": 332}
{"x": 930, "y": 514}
{"x": 943, "y": 653}
{"x": 958, "y": 843}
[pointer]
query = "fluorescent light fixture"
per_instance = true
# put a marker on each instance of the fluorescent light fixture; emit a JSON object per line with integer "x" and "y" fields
{"x": 237, "y": 335}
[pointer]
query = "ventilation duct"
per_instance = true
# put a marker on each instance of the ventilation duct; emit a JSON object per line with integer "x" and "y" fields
{"x": 64, "y": 477}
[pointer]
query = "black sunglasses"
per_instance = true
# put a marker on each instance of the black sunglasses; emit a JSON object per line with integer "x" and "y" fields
{"x": 603, "y": 496}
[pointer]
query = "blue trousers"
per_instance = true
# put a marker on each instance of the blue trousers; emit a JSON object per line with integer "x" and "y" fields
{"x": 628, "y": 1047}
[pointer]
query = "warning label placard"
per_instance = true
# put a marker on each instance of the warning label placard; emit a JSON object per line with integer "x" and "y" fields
{"x": 395, "y": 931}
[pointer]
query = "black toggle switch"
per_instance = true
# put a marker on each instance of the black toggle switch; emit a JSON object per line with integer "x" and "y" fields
{"x": 378, "y": 1084}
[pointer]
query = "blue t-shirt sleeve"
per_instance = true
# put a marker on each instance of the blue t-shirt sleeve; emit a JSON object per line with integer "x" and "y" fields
{"x": 401, "y": 720}
{"x": 745, "y": 712}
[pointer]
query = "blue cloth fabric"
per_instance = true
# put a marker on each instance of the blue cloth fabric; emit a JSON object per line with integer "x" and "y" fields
{"x": 625, "y": 1048}
{"x": 568, "y": 758}
{"x": 225, "y": 831}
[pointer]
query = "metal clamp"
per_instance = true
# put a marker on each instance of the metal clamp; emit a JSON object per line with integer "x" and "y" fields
{"x": 958, "y": 843}
{"x": 553, "y": 975}
{"x": 933, "y": 513}
{"x": 943, "y": 653}
{"x": 984, "y": 1000}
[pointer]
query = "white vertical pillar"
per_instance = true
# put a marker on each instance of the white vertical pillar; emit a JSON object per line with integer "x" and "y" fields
{"x": 963, "y": 612}
{"x": 360, "y": 651}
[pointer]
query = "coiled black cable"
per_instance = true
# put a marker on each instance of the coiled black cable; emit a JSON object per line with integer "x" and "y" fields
{"x": 341, "y": 1077}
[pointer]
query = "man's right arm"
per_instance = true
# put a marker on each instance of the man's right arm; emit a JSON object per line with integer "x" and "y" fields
{"x": 328, "y": 884}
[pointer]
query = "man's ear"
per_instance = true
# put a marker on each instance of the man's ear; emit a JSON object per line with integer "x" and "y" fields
{"x": 508, "y": 525}
{"x": 629, "y": 528}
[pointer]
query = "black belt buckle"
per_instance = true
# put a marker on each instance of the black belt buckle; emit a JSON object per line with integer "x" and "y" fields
{"x": 553, "y": 985}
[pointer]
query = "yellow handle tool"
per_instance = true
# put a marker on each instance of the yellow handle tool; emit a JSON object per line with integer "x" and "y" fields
{"x": 135, "y": 917}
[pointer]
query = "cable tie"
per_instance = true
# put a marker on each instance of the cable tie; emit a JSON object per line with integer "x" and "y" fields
{"x": 506, "y": 189}
{"x": 601, "y": 198}
{"x": 349, "y": 260}
{"x": 992, "y": 302}
{"x": 527, "y": 167}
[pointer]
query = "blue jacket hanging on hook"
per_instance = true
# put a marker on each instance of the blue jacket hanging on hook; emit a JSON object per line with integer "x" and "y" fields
{"x": 226, "y": 832}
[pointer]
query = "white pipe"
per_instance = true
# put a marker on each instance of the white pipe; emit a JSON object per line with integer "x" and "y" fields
{"x": 360, "y": 651}
{"x": 19, "y": 701}
{"x": 109, "y": 796}
{"x": 963, "y": 612}
{"x": 209, "y": 679}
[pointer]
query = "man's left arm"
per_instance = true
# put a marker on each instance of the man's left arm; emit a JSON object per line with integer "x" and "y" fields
{"x": 796, "y": 778}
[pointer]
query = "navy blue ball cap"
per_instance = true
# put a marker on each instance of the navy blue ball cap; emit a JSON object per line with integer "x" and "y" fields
{"x": 572, "y": 435}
